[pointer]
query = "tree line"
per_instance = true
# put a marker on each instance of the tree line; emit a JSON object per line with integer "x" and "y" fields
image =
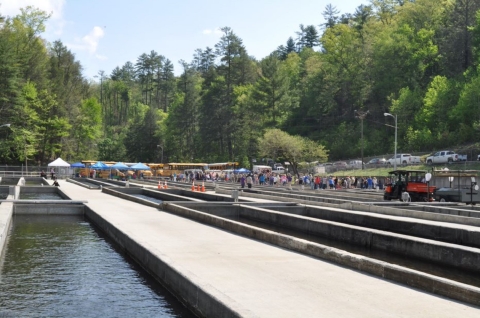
{"x": 416, "y": 59}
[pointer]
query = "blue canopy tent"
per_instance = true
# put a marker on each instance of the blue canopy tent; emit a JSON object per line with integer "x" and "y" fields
{"x": 77, "y": 165}
{"x": 118, "y": 166}
{"x": 99, "y": 166}
{"x": 241, "y": 170}
{"x": 139, "y": 166}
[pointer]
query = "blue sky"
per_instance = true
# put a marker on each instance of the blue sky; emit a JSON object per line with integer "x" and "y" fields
{"x": 104, "y": 34}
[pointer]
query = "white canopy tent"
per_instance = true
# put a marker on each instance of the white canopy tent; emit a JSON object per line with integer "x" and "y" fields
{"x": 63, "y": 167}
{"x": 59, "y": 162}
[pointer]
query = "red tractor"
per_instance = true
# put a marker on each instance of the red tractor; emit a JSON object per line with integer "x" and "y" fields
{"x": 408, "y": 185}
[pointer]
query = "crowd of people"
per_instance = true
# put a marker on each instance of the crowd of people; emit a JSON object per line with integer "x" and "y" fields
{"x": 266, "y": 177}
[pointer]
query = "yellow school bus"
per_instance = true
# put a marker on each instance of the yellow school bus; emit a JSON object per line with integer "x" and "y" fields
{"x": 179, "y": 168}
{"x": 223, "y": 166}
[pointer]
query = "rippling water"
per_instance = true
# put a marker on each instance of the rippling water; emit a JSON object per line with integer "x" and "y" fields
{"x": 60, "y": 266}
{"x": 40, "y": 196}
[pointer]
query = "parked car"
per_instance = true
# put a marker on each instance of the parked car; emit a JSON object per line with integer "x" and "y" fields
{"x": 355, "y": 164}
{"x": 340, "y": 165}
{"x": 377, "y": 161}
{"x": 444, "y": 156}
{"x": 404, "y": 159}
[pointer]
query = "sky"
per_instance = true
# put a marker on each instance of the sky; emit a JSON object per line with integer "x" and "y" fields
{"x": 104, "y": 34}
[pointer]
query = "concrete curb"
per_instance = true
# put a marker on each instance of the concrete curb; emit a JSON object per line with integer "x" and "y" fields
{"x": 81, "y": 184}
{"x": 412, "y": 278}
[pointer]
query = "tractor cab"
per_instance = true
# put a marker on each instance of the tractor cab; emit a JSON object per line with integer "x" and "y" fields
{"x": 408, "y": 185}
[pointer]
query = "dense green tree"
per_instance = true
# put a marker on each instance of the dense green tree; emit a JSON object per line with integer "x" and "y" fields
{"x": 182, "y": 123}
{"x": 290, "y": 47}
{"x": 87, "y": 128}
{"x": 278, "y": 144}
{"x": 416, "y": 59}
{"x": 330, "y": 15}
{"x": 271, "y": 93}
{"x": 307, "y": 37}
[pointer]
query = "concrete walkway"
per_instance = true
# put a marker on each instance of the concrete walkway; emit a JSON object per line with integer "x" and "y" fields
{"x": 260, "y": 280}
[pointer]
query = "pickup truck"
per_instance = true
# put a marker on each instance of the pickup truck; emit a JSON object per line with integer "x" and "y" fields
{"x": 404, "y": 159}
{"x": 444, "y": 156}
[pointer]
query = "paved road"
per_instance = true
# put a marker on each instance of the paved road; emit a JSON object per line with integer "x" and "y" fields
{"x": 261, "y": 280}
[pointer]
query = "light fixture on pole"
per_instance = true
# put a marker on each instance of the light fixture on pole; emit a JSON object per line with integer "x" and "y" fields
{"x": 395, "y": 156}
{"x": 158, "y": 146}
{"x": 473, "y": 186}
{"x": 361, "y": 115}
{"x": 428, "y": 177}
{"x": 451, "y": 180}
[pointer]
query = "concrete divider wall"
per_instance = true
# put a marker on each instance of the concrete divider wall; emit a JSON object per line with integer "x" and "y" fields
{"x": 205, "y": 196}
{"x": 416, "y": 279}
{"x": 127, "y": 193}
{"x": 200, "y": 298}
{"x": 322, "y": 195}
{"x": 81, "y": 184}
{"x": 359, "y": 206}
{"x": 332, "y": 203}
{"x": 6, "y": 213}
{"x": 442, "y": 253}
{"x": 437, "y": 232}
{"x": 220, "y": 210}
{"x": 461, "y": 210}
{"x": 450, "y": 216}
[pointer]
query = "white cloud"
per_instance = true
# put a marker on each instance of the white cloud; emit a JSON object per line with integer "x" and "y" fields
{"x": 214, "y": 32}
{"x": 89, "y": 42}
{"x": 53, "y": 7}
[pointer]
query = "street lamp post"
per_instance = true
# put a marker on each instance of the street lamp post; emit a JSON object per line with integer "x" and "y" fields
{"x": 361, "y": 115}
{"x": 158, "y": 146}
{"x": 395, "y": 156}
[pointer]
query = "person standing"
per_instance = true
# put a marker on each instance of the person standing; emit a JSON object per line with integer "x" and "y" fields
{"x": 52, "y": 173}
{"x": 249, "y": 181}
{"x": 242, "y": 181}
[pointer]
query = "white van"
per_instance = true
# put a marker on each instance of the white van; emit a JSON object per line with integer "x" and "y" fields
{"x": 259, "y": 168}
{"x": 355, "y": 164}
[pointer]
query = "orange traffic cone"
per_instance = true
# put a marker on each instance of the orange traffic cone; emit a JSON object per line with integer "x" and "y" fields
{"x": 198, "y": 188}
{"x": 165, "y": 186}
{"x": 159, "y": 185}
{"x": 203, "y": 186}
{"x": 193, "y": 186}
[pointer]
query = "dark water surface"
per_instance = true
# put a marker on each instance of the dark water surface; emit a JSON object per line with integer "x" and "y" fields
{"x": 146, "y": 197}
{"x": 60, "y": 266}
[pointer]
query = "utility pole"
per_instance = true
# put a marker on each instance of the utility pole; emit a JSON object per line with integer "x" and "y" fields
{"x": 361, "y": 115}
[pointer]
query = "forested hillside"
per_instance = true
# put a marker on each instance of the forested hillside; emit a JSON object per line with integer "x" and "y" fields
{"x": 418, "y": 60}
